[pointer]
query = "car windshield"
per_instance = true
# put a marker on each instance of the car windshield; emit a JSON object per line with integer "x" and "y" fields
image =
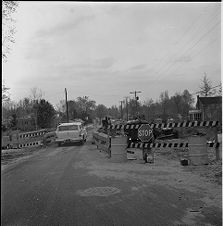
{"x": 68, "y": 128}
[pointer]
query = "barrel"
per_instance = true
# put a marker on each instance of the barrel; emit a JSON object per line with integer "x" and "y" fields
{"x": 118, "y": 149}
{"x": 198, "y": 154}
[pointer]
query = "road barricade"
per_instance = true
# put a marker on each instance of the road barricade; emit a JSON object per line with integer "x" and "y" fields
{"x": 20, "y": 140}
{"x": 102, "y": 141}
{"x": 31, "y": 144}
{"x": 185, "y": 124}
{"x": 30, "y": 139}
{"x": 33, "y": 134}
{"x": 202, "y": 128}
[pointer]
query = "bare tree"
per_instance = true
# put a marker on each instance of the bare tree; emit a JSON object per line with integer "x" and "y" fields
{"x": 164, "y": 98}
{"x": 5, "y": 93}
{"x": 177, "y": 99}
{"x": 61, "y": 106}
{"x": 148, "y": 105}
{"x": 8, "y": 26}
{"x": 36, "y": 94}
{"x": 220, "y": 89}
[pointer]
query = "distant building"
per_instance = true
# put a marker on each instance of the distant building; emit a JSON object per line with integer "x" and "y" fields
{"x": 210, "y": 108}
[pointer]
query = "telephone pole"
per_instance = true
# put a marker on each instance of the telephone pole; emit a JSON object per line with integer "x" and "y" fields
{"x": 127, "y": 108}
{"x": 136, "y": 98}
{"x": 66, "y": 105}
{"x": 121, "y": 108}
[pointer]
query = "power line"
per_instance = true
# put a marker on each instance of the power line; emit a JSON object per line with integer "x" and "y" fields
{"x": 195, "y": 44}
{"x": 182, "y": 36}
{"x": 201, "y": 50}
{"x": 170, "y": 64}
{"x": 184, "y": 45}
{"x": 196, "y": 54}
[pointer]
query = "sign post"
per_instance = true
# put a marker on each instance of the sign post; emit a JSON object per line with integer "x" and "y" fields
{"x": 145, "y": 134}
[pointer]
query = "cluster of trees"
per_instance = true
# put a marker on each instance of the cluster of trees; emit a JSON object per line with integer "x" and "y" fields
{"x": 45, "y": 115}
{"x": 176, "y": 107}
{"x": 86, "y": 109}
{"x": 34, "y": 108}
{"x": 167, "y": 107}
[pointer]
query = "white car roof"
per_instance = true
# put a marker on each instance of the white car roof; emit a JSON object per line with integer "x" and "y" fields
{"x": 70, "y": 123}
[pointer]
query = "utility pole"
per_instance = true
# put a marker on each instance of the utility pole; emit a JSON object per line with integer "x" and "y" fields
{"x": 36, "y": 114}
{"x": 121, "y": 109}
{"x": 66, "y": 104}
{"x": 127, "y": 108}
{"x": 136, "y": 98}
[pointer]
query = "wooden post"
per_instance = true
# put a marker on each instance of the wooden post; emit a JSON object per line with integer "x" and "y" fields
{"x": 217, "y": 150}
{"x": 66, "y": 105}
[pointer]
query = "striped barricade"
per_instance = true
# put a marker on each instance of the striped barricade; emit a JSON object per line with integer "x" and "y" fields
{"x": 33, "y": 134}
{"x": 30, "y": 144}
{"x": 30, "y": 139}
{"x": 167, "y": 145}
{"x": 186, "y": 124}
{"x": 164, "y": 145}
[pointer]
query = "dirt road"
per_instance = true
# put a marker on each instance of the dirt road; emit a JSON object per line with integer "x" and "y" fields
{"x": 78, "y": 185}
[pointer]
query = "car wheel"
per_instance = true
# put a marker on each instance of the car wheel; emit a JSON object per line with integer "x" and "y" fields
{"x": 59, "y": 144}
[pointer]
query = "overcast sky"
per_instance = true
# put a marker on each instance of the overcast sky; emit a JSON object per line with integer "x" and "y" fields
{"x": 106, "y": 50}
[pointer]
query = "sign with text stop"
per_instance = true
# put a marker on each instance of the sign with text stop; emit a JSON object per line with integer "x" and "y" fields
{"x": 145, "y": 133}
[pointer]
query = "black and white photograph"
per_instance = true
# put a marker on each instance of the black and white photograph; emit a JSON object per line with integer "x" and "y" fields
{"x": 111, "y": 114}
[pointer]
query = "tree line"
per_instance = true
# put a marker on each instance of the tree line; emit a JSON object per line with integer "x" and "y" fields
{"x": 40, "y": 113}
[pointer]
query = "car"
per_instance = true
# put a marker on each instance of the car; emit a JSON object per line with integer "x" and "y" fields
{"x": 70, "y": 132}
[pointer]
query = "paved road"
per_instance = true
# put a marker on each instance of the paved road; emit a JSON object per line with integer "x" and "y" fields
{"x": 77, "y": 185}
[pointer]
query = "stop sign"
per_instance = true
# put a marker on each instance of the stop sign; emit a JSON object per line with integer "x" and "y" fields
{"x": 145, "y": 133}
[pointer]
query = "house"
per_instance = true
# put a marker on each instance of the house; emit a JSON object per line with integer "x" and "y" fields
{"x": 210, "y": 108}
